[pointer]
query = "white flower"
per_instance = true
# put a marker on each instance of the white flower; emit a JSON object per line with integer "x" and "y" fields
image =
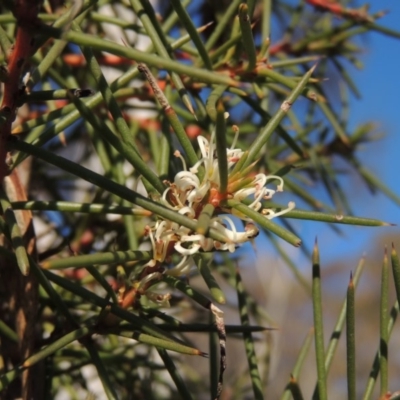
{"x": 188, "y": 195}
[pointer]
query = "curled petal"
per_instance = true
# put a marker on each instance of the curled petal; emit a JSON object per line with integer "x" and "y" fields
{"x": 164, "y": 195}
{"x": 228, "y": 220}
{"x": 244, "y": 193}
{"x": 160, "y": 228}
{"x": 256, "y": 205}
{"x": 186, "y": 252}
{"x": 272, "y": 214}
{"x": 153, "y": 245}
{"x": 148, "y": 278}
{"x": 232, "y": 235}
{"x": 259, "y": 181}
{"x": 151, "y": 263}
{"x": 207, "y": 151}
{"x": 161, "y": 250}
{"x": 203, "y": 145}
{"x": 206, "y": 244}
{"x": 225, "y": 246}
{"x": 185, "y": 180}
{"x": 192, "y": 238}
{"x": 181, "y": 231}
{"x": 187, "y": 211}
{"x": 182, "y": 268}
{"x": 196, "y": 195}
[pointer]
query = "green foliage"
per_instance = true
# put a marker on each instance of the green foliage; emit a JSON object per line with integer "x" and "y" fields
{"x": 139, "y": 180}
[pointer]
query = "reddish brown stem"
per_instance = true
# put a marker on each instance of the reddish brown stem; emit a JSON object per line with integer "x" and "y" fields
{"x": 336, "y": 8}
{"x": 21, "y": 292}
{"x": 25, "y": 12}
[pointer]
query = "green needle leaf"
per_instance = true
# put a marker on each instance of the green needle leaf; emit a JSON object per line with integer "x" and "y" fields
{"x": 350, "y": 342}
{"x": 113, "y": 187}
{"x": 220, "y": 135}
{"x": 17, "y": 239}
{"x": 104, "y": 375}
{"x": 144, "y": 10}
{"x": 203, "y": 222}
{"x": 159, "y": 342}
{"x": 173, "y": 371}
{"x": 216, "y": 292}
{"x": 212, "y": 100}
{"x": 125, "y": 148}
{"x": 87, "y": 260}
{"x": 265, "y": 223}
{"x": 337, "y": 331}
{"x": 295, "y": 389}
{"x": 376, "y": 363}
{"x": 68, "y": 206}
{"x": 396, "y": 271}
{"x": 384, "y": 331}
{"x": 82, "y": 39}
{"x": 330, "y": 218}
{"x": 248, "y": 339}
{"x": 274, "y": 122}
{"x": 247, "y": 36}
{"x": 299, "y": 364}
{"x": 170, "y": 114}
{"x": 188, "y": 24}
{"x": 318, "y": 324}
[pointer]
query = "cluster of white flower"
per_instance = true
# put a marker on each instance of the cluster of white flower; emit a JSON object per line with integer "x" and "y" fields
{"x": 188, "y": 195}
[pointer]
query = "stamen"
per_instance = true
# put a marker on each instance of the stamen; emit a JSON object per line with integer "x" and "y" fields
{"x": 196, "y": 166}
{"x": 178, "y": 154}
{"x": 203, "y": 144}
{"x": 256, "y": 203}
{"x": 279, "y": 187}
{"x": 150, "y": 234}
{"x": 236, "y": 130}
{"x": 269, "y": 214}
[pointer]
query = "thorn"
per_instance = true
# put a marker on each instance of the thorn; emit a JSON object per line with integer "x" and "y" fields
{"x": 189, "y": 106}
{"x": 204, "y": 27}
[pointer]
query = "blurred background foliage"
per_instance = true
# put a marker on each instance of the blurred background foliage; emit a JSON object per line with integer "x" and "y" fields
{"x": 74, "y": 322}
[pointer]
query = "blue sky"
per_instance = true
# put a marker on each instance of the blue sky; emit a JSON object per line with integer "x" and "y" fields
{"x": 379, "y": 85}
